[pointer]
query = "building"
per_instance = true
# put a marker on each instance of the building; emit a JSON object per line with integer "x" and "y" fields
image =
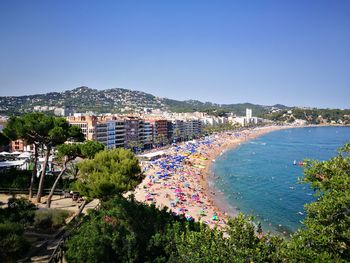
{"x": 17, "y": 146}
{"x": 160, "y": 130}
{"x": 65, "y": 111}
{"x": 248, "y": 113}
{"x": 192, "y": 128}
{"x": 119, "y": 133}
{"x": 178, "y": 127}
{"x": 147, "y": 134}
{"x": 86, "y": 123}
{"x": 133, "y": 130}
{"x": 101, "y": 134}
{"x": 20, "y": 146}
{"x": 170, "y": 130}
{"x": 110, "y": 131}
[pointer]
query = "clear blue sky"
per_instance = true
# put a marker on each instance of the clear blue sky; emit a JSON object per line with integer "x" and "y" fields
{"x": 291, "y": 52}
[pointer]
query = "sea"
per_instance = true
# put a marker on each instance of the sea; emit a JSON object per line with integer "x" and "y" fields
{"x": 259, "y": 177}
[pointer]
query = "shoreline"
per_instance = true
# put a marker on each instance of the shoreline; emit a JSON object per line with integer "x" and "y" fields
{"x": 180, "y": 180}
{"x": 215, "y": 194}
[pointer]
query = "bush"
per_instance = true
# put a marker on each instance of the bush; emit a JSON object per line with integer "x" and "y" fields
{"x": 21, "y": 210}
{"x": 13, "y": 244}
{"x": 50, "y": 219}
{"x": 14, "y": 178}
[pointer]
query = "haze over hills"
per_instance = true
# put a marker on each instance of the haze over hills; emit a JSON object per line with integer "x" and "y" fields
{"x": 116, "y": 100}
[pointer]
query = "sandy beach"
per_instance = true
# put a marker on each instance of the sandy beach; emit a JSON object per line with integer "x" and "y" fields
{"x": 178, "y": 180}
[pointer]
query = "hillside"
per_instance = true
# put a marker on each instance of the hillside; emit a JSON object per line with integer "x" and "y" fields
{"x": 81, "y": 99}
{"x": 84, "y": 99}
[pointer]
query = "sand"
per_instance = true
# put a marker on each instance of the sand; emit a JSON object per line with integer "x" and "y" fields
{"x": 178, "y": 181}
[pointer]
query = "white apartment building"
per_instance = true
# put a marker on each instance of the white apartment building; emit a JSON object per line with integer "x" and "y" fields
{"x": 248, "y": 113}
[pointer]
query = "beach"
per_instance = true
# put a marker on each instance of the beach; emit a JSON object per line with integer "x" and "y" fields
{"x": 179, "y": 179}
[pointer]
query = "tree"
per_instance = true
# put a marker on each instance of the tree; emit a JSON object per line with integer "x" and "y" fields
{"x": 4, "y": 140}
{"x": 238, "y": 243}
{"x": 326, "y": 236}
{"x": 136, "y": 145}
{"x": 140, "y": 146}
{"x": 160, "y": 139}
{"x": 90, "y": 148}
{"x": 30, "y": 129}
{"x": 58, "y": 131}
{"x": 68, "y": 152}
{"x": 115, "y": 233}
{"x": 177, "y": 134}
{"x": 110, "y": 173}
{"x": 13, "y": 219}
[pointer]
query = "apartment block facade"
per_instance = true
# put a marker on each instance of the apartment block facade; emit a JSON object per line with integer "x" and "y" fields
{"x": 133, "y": 131}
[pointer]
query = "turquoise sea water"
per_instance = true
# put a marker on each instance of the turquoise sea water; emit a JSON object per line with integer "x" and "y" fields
{"x": 259, "y": 178}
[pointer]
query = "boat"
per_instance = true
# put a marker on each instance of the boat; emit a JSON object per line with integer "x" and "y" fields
{"x": 295, "y": 162}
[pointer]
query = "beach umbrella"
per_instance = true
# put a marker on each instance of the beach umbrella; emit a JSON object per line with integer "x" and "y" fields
{"x": 178, "y": 190}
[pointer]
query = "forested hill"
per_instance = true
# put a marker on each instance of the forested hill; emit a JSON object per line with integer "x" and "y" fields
{"x": 84, "y": 99}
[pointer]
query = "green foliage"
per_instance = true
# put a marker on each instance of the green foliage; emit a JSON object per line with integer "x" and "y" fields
{"x": 219, "y": 128}
{"x": 13, "y": 178}
{"x": 13, "y": 219}
{"x": 212, "y": 108}
{"x": 31, "y": 127}
{"x": 41, "y": 129}
{"x": 327, "y": 226}
{"x": 110, "y": 172}
{"x": 90, "y": 148}
{"x": 4, "y": 140}
{"x": 161, "y": 139}
{"x": 13, "y": 245}
{"x": 20, "y": 210}
{"x": 312, "y": 116}
{"x": 121, "y": 231}
{"x": 70, "y": 151}
{"x": 50, "y": 219}
{"x": 127, "y": 231}
{"x": 239, "y": 243}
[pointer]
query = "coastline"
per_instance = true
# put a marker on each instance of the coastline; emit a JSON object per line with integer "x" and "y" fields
{"x": 215, "y": 195}
{"x": 180, "y": 180}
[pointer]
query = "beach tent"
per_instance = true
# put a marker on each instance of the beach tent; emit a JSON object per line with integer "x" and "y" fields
{"x": 151, "y": 156}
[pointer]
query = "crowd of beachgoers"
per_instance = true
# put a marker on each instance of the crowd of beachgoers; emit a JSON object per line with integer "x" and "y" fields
{"x": 177, "y": 180}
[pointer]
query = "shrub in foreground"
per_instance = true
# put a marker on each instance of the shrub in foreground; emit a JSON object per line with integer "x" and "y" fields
{"x": 50, "y": 219}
